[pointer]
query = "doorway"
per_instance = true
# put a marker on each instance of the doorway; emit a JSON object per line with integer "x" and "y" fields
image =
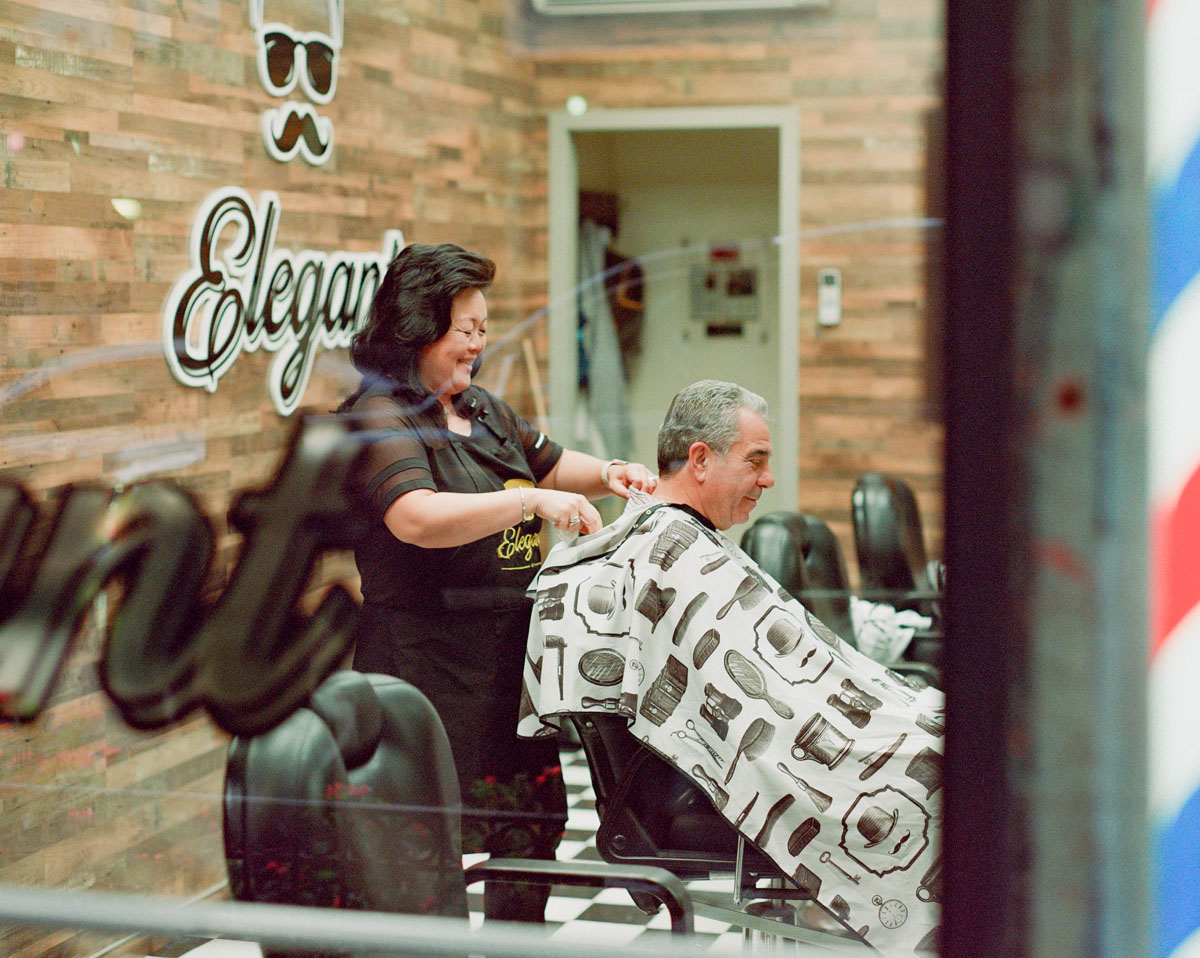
{"x": 706, "y": 205}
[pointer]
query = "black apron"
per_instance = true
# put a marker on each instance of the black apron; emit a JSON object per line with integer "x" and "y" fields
{"x": 454, "y": 622}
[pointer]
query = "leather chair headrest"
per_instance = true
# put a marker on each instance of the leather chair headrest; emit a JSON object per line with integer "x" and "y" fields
{"x": 347, "y": 703}
{"x": 887, "y": 533}
{"x": 778, "y": 542}
{"x": 803, "y": 554}
{"x": 350, "y": 802}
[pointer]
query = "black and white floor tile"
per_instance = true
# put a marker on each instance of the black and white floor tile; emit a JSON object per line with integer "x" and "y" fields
{"x": 589, "y": 915}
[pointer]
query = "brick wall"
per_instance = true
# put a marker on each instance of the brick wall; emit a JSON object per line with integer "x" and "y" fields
{"x": 439, "y": 120}
{"x": 864, "y": 76}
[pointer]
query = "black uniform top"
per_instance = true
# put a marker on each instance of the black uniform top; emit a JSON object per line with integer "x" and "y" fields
{"x": 454, "y": 622}
{"x": 407, "y": 452}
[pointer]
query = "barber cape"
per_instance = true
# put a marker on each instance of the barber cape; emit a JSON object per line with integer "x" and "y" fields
{"x": 824, "y": 759}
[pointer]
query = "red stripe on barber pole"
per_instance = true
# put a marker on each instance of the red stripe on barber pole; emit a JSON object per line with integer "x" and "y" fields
{"x": 1175, "y": 582}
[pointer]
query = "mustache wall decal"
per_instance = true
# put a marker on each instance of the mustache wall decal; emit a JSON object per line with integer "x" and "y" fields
{"x": 296, "y": 128}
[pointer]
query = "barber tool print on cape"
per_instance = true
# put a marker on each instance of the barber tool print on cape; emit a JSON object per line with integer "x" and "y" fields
{"x": 822, "y": 631}
{"x": 885, "y": 830}
{"x": 821, "y": 801}
{"x": 719, "y": 709}
{"x": 755, "y": 741}
{"x": 773, "y": 815}
{"x": 840, "y": 907}
{"x": 556, "y": 644}
{"x": 749, "y": 679}
{"x": 804, "y": 833}
{"x": 926, "y": 768}
{"x": 706, "y": 645}
{"x": 603, "y": 606}
{"x": 713, "y": 562}
{"x": 789, "y": 648}
{"x": 672, "y": 543}
{"x": 719, "y": 796}
{"x": 665, "y": 691}
{"x": 626, "y": 703}
{"x": 879, "y": 758}
{"x": 550, "y": 607}
{"x": 693, "y": 735}
{"x": 685, "y": 620}
{"x": 892, "y": 913}
{"x": 653, "y": 602}
{"x": 749, "y": 593}
{"x": 822, "y": 758}
{"x": 930, "y": 888}
{"x": 602, "y": 666}
{"x": 820, "y": 741}
{"x": 745, "y": 812}
{"x": 855, "y": 704}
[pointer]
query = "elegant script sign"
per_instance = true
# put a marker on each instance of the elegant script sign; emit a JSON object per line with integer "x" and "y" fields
{"x": 250, "y": 656}
{"x": 243, "y": 293}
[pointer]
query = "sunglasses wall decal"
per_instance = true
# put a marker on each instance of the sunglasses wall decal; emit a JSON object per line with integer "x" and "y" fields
{"x": 280, "y": 50}
{"x": 299, "y": 67}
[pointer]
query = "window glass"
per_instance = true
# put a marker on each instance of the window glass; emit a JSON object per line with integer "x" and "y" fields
{"x": 199, "y": 203}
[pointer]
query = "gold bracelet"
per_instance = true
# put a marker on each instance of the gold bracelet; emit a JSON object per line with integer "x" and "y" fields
{"x": 525, "y": 516}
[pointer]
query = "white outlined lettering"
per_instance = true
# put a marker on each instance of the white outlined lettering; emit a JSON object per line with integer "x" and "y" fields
{"x": 243, "y": 294}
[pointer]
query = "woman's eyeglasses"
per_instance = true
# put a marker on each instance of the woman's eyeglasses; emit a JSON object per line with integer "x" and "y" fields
{"x": 277, "y": 47}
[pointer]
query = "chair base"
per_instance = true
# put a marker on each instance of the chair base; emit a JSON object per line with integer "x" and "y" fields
{"x": 656, "y": 883}
{"x": 835, "y": 938}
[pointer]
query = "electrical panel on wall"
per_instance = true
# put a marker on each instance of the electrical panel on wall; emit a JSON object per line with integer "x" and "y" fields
{"x": 724, "y": 290}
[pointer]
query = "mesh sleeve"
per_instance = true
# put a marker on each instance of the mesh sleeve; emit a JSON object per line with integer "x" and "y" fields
{"x": 396, "y": 460}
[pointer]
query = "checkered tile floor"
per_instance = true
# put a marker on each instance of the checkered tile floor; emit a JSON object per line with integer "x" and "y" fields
{"x": 606, "y": 914}
{"x": 573, "y": 914}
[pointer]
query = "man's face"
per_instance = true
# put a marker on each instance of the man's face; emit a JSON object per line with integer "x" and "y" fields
{"x": 733, "y": 482}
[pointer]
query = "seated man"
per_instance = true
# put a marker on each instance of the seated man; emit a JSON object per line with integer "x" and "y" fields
{"x": 823, "y": 758}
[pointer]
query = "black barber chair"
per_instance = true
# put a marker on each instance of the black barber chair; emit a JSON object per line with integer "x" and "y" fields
{"x": 311, "y": 806}
{"x": 892, "y": 562}
{"x": 353, "y": 802}
{"x": 804, "y": 556}
{"x": 651, "y": 814}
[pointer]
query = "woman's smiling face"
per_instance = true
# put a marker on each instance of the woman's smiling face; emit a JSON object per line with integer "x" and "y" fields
{"x": 445, "y": 366}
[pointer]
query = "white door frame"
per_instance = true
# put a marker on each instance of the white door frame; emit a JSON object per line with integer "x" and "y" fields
{"x": 562, "y": 316}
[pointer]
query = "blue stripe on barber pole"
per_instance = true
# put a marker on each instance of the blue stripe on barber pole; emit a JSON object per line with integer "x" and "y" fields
{"x": 1176, "y": 237}
{"x": 1178, "y": 879}
{"x": 1173, "y": 405}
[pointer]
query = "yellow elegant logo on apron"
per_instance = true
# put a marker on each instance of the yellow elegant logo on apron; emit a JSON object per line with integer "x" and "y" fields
{"x": 517, "y": 544}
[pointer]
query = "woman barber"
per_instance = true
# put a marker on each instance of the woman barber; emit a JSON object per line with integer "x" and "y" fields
{"x": 460, "y": 484}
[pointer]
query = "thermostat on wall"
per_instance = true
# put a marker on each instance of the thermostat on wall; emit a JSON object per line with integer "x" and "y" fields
{"x": 829, "y": 297}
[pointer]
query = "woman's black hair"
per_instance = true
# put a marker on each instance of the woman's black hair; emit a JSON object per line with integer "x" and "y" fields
{"x": 411, "y": 310}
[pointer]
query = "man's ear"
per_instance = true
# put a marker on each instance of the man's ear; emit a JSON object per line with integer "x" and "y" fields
{"x": 699, "y": 458}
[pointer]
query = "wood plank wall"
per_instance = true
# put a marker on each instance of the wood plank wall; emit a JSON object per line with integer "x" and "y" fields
{"x": 864, "y": 76}
{"x": 439, "y": 120}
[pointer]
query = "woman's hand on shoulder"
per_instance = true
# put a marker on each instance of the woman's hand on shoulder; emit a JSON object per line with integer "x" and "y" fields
{"x": 567, "y": 511}
{"x": 620, "y": 477}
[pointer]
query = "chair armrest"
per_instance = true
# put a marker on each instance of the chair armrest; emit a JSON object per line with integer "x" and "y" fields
{"x": 922, "y": 671}
{"x": 657, "y": 882}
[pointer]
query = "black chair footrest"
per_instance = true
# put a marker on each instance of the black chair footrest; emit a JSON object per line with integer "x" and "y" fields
{"x": 643, "y": 879}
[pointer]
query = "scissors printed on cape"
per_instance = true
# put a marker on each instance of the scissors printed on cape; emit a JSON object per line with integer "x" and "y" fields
{"x": 695, "y": 737}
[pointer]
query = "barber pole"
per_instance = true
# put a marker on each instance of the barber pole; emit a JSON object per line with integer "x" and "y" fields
{"x": 1173, "y": 164}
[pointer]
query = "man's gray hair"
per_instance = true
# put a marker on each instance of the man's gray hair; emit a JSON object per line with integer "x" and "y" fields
{"x": 707, "y": 411}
